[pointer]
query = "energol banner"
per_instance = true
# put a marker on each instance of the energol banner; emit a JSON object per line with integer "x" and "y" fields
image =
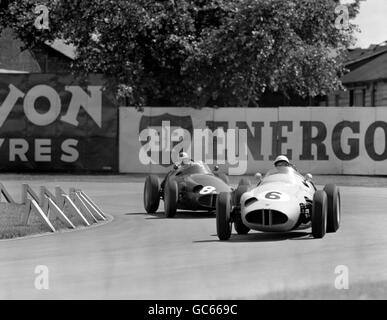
{"x": 57, "y": 123}
{"x": 318, "y": 140}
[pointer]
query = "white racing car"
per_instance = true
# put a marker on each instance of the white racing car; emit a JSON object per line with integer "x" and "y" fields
{"x": 284, "y": 200}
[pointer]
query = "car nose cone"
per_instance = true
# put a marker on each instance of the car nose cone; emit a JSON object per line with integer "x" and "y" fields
{"x": 272, "y": 211}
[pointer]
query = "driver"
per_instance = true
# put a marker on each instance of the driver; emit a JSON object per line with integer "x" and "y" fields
{"x": 184, "y": 161}
{"x": 283, "y": 161}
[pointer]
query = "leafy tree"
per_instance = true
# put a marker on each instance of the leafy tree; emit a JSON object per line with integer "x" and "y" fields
{"x": 274, "y": 45}
{"x": 185, "y": 52}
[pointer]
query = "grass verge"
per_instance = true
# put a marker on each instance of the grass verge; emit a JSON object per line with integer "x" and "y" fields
{"x": 11, "y": 227}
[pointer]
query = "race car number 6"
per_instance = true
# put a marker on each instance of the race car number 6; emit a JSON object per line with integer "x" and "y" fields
{"x": 207, "y": 190}
{"x": 273, "y": 195}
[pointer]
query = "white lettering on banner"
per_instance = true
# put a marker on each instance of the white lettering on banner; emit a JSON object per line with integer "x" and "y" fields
{"x": 37, "y": 118}
{"x": 318, "y": 140}
{"x": 92, "y": 104}
{"x": 43, "y": 150}
{"x": 71, "y": 154}
{"x": 18, "y": 149}
{"x": 9, "y": 102}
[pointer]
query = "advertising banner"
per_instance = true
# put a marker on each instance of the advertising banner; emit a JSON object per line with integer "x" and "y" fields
{"x": 57, "y": 123}
{"x": 319, "y": 140}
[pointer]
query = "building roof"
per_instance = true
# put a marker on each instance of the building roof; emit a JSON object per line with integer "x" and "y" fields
{"x": 13, "y": 58}
{"x": 358, "y": 54}
{"x": 375, "y": 69}
{"x": 65, "y": 49}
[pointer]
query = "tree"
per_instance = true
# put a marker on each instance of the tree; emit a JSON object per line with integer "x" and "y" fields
{"x": 183, "y": 52}
{"x": 274, "y": 45}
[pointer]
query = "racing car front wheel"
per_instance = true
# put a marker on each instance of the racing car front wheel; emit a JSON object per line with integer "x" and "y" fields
{"x": 170, "y": 199}
{"x": 151, "y": 194}
{"x": 319, "y": 214}
{"x": 223, "y": 216}
{"x": 333, "y": 217}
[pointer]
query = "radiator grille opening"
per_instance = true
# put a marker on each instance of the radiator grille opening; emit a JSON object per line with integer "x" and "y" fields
{"x": 266, "y": 217}
{"x": 208, "y": 200}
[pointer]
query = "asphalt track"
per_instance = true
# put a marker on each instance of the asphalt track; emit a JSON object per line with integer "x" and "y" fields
{"x": 139, "y": 256}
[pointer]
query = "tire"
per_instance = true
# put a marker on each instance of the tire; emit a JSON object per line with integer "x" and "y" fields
{"x": 223, "y": 216}
{"x": 239, "y": 226}
{"x": 243, "y": 186}
{"x": 319, "y": 214}
{"x": 223, "y": 177}
{"x": 334, "y": 210}
{"x": 151, "y": 194}
{"x": 170, "y": 199}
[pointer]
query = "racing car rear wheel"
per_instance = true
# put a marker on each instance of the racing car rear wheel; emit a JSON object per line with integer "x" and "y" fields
{"x": 239, "y": 226}
{"x": 223, "y": 216}
{"x": 319, "y": 214}
{"x": 170, "y": 199}
{"x": 333, "y": 217}
{"x": 151, "y": 194}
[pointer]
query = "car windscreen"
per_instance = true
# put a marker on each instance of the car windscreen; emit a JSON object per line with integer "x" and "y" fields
{"x": 195, "y": 168}
{"x": 282, "y": 174}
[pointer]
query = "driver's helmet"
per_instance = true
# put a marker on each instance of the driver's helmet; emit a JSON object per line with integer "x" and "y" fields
{"x": 184, "y": 158}
{"x": 281, "y": 161}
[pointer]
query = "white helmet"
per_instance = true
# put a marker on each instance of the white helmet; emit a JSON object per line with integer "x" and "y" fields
{"x": 281, "y": 158}
{"x": 184, "y": 158}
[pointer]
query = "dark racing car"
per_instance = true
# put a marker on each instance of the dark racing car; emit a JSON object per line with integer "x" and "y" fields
{"x": 191, "y": 187}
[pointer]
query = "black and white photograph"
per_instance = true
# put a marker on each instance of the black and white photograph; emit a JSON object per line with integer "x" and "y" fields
{"x": 206, "y": 151}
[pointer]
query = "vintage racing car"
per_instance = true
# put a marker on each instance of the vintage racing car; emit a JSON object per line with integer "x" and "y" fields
{"x": 283, "y": 200}
{"x": 193, "y": 187}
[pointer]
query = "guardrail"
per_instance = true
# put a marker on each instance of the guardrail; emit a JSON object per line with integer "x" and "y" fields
{"x": 66, "y": 207}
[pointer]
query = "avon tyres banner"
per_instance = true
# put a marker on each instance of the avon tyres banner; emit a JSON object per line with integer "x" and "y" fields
{"x": 57, "y": 123}
{"x": 318, "y": 140}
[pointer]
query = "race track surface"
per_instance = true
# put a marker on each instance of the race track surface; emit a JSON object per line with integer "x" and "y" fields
{"x": 140, "y": 256}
